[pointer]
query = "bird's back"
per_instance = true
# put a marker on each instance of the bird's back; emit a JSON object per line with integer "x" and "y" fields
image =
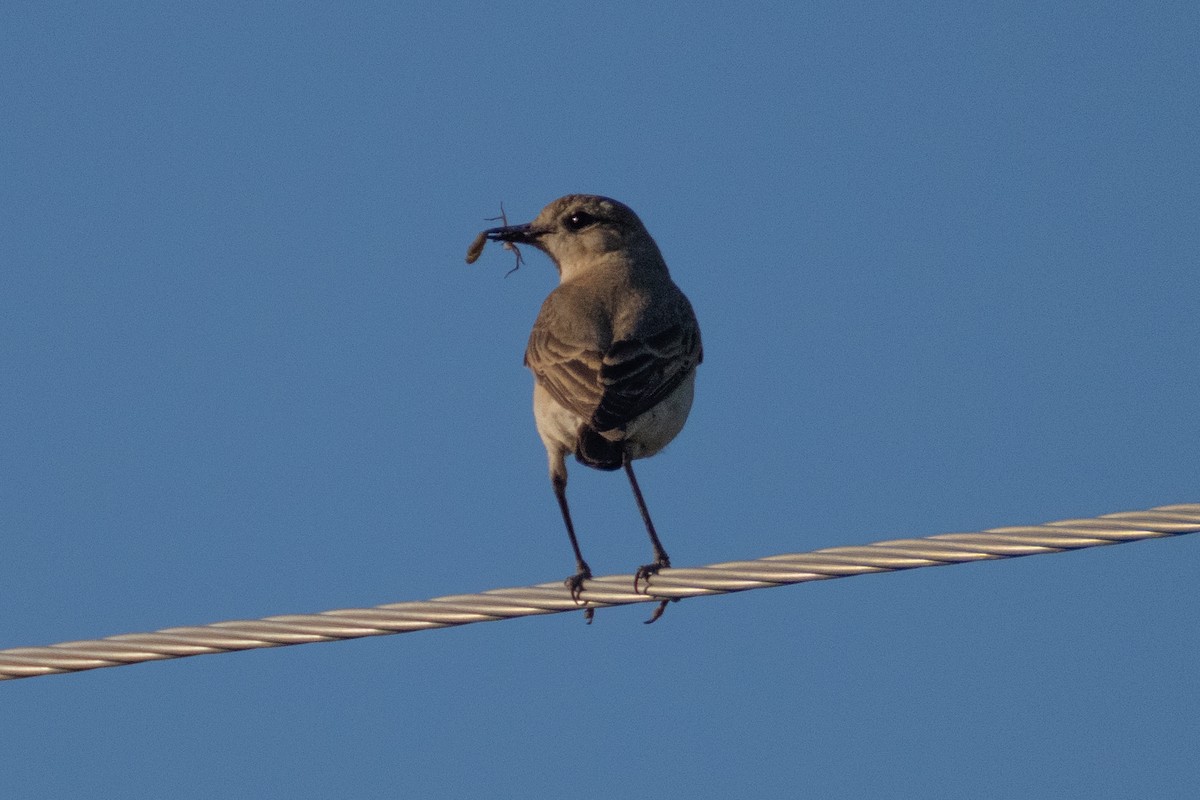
{"x": 610, "y": 351}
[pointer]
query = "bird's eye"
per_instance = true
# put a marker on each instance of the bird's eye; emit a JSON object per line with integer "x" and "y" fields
{"x": 578, "y": 220}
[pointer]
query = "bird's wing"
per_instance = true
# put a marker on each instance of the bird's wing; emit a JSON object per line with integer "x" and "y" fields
{"x": 567, "y": 365}
{"x": 638, "y": 373}
{"x": 609, "y": 383}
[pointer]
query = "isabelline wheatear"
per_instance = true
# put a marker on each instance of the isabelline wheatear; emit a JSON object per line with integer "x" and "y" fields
{"x": 613, "y": 352}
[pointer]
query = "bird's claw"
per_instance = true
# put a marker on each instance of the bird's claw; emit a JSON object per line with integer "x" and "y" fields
{"x": 658, "y": 612}
{"x": 574, "y": 585}
{"x": 643, "y": 574}
{"x": 646, "y": 570}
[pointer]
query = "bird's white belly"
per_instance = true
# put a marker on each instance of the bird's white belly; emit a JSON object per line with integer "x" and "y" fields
{"x": 646, "y": 435}
{"x": 654, "y": 430}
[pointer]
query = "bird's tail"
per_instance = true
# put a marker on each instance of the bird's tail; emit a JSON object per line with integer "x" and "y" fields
{"x": 598, "y": 452}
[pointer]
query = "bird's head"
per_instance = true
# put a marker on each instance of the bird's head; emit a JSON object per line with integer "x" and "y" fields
{"x": 580, "y": 230}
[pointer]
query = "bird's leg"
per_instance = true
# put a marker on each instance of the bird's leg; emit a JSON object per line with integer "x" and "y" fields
{"x": 582, "y": 570}
{"x": 661, "y": 559}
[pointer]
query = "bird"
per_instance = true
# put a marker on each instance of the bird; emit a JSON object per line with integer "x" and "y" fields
{"x": 613, "y": 352}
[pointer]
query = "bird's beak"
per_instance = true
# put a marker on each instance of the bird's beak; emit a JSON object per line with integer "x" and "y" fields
{"x": 517, "y": 234}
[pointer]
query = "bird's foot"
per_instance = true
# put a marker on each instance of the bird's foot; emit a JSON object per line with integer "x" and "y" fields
{"x": 646, "y": 570}
{"x": 643, "y": 574}
{"x": 658, "y": 612}
{"x": 575, "y": 582}
{"x": 575, "y": 587}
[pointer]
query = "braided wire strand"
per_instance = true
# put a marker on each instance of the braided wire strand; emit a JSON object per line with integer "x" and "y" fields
{"x": 610, "y": 590}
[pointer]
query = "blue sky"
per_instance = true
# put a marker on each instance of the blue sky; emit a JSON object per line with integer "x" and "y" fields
{"x": 944, "y": 258}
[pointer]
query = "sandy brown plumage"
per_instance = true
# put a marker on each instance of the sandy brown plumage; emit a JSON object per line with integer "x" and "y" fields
{"x": 613, "y": 352}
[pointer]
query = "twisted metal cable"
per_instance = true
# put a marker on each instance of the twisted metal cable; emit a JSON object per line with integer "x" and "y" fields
{"x": 611, "y": 590}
